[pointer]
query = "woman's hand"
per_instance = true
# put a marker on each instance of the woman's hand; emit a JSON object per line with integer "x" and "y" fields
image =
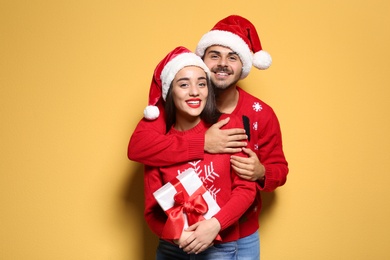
{"x": 184, "y": 235}
{"x": 203, "y": 234}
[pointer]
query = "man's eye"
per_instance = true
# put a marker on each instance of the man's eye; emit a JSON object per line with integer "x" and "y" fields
{"x": 233, "y": 58}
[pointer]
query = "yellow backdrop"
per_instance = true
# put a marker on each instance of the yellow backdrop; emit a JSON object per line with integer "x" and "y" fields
{"x": 74, "y": 80}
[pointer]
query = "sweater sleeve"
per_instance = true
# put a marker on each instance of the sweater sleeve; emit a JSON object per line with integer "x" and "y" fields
{"x": 154, "y": 215}
{"x": 150, "y": 145}
{"x": 242, "y": 196}
{"x": 243, "y": 192}
{"x": 271, "y": 154}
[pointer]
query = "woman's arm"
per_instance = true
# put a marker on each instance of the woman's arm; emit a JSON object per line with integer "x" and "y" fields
{"x": 154, "y": 215}
{"x": 151, "y": 146}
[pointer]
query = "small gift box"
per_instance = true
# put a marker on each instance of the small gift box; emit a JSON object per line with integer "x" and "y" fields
{"x": 185, "y": 201}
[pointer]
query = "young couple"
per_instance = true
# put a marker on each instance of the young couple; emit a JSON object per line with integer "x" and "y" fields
{"x": 199, "y": 118}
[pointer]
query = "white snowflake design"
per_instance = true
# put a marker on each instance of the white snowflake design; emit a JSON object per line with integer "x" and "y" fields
{"x": 255, "y": 125}
{"x": 213, "y": 191}
{"x": 257, "y": 106}
{"x": 208, "y": 176}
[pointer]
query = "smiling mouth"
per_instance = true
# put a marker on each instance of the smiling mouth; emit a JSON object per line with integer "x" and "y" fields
{"x": 222, "y": 70}
{"x": 222, "y": 73}
{"x": 193, "y": 103}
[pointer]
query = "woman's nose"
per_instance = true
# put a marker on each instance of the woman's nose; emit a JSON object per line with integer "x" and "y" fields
{"x": 194, "y": 91}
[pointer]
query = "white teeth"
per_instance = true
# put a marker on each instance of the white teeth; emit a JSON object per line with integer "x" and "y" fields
{"x": 193, "y": 102}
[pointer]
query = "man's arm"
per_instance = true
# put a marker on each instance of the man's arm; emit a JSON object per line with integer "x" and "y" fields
{"x": 268, "y": 164}
{"x": 271, "y": 155}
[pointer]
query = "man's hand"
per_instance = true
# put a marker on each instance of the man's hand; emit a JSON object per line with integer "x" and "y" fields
{"x": 224, "y": 141}
{"x": 249, "y": 168}
{"x": 204, "y": 233}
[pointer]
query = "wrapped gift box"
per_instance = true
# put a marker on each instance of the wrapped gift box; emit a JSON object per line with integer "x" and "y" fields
{"x": 185, "y": 201}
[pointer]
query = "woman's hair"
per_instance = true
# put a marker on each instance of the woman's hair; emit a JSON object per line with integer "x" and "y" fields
{"x": 210, "y": 113}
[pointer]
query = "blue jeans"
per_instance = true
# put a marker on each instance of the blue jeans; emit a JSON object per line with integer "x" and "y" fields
{"x": 249, "y": 247}
{"x": 169, "y": 251}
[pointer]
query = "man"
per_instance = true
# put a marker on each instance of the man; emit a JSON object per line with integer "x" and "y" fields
{"x": 229, "y": 50}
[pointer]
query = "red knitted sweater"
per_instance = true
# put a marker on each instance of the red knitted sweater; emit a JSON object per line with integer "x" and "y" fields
{"x": 149, "y": 145}
{"x": 233, "y": 194}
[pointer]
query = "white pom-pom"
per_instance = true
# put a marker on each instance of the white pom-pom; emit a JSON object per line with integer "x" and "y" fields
{"x": 151, "y": 112}
{"x": 262, "y": 60}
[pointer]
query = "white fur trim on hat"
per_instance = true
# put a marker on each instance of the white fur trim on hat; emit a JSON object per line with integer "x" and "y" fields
{"x": 229, "y": 40}
{"x": 173, "y": 66}
{"x": 151, "y": 112}
{"x": 262, "y": 60}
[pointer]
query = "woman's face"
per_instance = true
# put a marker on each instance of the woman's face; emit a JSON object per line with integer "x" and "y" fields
{"x": 189, "y": 92}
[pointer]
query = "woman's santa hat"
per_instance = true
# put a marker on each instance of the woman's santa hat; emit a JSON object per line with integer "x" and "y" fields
{"x": 240, "y": 35}
{"x": 165, "y": 72}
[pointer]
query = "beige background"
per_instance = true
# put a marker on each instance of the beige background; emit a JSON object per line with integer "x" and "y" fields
{"x": 74, "y": 80}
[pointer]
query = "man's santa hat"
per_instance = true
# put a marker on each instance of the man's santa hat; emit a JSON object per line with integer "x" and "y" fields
{"x": 165, "y": 72}
{"x": 240, "y": 35}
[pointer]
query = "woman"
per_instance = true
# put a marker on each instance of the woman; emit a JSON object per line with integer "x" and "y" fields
{"x": 182, "y": 80}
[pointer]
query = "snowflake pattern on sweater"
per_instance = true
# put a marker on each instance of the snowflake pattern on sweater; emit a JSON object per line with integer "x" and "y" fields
{"x": 149, "y": 145}
{"x": 232, "y": 194}
{"x": 207, "y": 175}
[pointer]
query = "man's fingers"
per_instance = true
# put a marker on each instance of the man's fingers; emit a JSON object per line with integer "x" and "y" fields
{"x": 239, "y": 159}
{"x": 237, "y": 137}
{"x": 236, "y": 131}
{"x": 242, "y": 173}
{"x": 221, "y": 123}
{"x": 232, "y": 150}
{"x": 239, "y": 165}
{"x": 249, "y": 152}
{"x": 236, "y": 144}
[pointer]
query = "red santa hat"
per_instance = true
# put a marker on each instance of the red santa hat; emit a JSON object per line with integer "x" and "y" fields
{"x": 240, "y": 35}
{"x": 165, "y": 72}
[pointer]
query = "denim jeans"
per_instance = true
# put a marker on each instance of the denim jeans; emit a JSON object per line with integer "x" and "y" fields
{"x": 249, "y": 247}
{"x": 169, "y": 251}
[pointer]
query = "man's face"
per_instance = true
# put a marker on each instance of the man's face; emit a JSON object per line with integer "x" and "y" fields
{"x": 225, "y": 66}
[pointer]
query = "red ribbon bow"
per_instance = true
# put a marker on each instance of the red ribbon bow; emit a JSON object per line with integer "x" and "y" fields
{"x": 194, "y": 207}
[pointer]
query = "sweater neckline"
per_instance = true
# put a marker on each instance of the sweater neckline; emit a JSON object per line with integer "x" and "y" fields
{"x": 196, "y": 129}
{"x": 238, "y": 105}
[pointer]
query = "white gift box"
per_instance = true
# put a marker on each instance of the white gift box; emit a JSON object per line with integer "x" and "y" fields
{"x": 191, "y": 183}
